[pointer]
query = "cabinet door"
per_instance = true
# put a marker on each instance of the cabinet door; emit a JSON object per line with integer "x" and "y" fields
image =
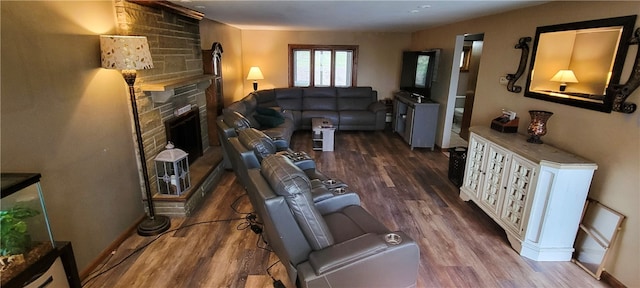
{"x": 519, "y": 188}
{"x": 408, "y": 132}
{"x": 492, "y": 190}
{"x": 474, "y": 172}
{"x": 400, "y": 114}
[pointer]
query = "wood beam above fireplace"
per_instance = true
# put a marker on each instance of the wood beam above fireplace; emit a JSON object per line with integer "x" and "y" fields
{"x": 163, "y": 90}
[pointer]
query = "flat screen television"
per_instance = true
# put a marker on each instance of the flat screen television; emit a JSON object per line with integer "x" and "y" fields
{"x": 419, "y": 70}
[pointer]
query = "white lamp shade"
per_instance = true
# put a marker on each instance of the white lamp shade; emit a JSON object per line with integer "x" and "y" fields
{"x": 565, "y": 76}
{"x": 255, "y": 74}
{"x": 125, "y": 52}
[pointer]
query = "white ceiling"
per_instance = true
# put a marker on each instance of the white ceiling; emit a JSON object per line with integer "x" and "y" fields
{"x": 383, "y": 16}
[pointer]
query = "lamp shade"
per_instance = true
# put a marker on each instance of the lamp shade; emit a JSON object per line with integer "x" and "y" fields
{"x": 125, "y": 52}
{"x": 255, "y": 74}
{"x": 565, "y": 76}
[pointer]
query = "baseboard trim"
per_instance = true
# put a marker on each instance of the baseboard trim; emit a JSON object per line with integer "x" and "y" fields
{"x": 107, "y": 251}
{"x": 612, "y": 281}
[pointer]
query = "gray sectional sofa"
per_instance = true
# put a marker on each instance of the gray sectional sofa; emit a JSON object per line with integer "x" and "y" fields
{"x": 352, "y": 108}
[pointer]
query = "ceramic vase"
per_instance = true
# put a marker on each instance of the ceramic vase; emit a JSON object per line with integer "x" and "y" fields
{"x": 538, "y": 125}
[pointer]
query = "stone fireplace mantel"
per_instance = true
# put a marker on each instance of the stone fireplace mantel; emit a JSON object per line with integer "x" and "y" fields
{"x": 161, "y": 91}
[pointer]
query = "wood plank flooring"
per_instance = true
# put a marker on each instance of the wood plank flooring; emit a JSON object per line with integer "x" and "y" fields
{"x": 406, "y": 190}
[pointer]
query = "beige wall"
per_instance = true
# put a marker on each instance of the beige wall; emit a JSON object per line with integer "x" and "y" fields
{"x": 67, "y": 118}
{"x": 379, "y": 56}
{"x": 231, "y": 40}
{"x": 611, "y": 140}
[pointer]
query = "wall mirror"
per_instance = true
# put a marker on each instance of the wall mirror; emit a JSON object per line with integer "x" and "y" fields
{"x": 575, "y": 63}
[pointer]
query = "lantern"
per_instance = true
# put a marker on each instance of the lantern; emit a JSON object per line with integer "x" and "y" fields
{"x": 172, "y": 171}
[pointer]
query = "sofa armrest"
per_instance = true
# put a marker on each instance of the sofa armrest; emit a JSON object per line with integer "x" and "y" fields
{"x": 287, "y": 113}
{"x": 281, "y": 143}
{"x": 376, "y": 107}
{"x": 319, "y": 192}
{"x": 335, "y": 202}
{"x": 363, "y": 249}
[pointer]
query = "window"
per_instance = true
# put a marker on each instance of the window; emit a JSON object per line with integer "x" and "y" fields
{"x": 322, "y": 65}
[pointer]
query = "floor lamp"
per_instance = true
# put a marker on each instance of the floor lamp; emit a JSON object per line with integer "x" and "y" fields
{"x": 131, "y": 53}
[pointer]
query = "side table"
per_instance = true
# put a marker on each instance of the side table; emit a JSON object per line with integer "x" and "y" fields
{"x": 323, "y": 134}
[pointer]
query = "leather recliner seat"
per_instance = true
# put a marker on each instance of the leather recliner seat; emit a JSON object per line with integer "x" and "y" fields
{"x": 330, "y": 243}
{"x": 251, "y": 146}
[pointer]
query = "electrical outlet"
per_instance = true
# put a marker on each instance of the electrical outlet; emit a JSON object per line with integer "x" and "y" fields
{"x": 503, "y": 80}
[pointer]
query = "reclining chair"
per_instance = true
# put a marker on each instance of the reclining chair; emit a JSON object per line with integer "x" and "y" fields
{"x": 330, "y": 243}
{"x": 251, "y": 146}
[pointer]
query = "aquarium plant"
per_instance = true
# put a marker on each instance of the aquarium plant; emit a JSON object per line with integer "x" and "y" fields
{"x": 14, "y": 237}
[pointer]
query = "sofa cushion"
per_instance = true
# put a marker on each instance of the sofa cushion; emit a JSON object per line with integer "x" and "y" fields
{"x": 237, "y": 106}
{"x": 266, "y": 98}
{"x": 287, "y": 180}
{"x": 235, "y": 119}
{"x": 358, "y": 92}
{"x": 360, "y": 117}
{"x": 308, "y": 115}
{"x": 261, "y": 144}
{"x": 323, "y": 98}
{"x": 289, "y": 98}
{"x": 355, "y": 98}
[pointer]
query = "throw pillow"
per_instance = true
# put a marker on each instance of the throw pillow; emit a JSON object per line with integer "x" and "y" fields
{"x": 268, "y": 111}
{"x": 267, "y": 121}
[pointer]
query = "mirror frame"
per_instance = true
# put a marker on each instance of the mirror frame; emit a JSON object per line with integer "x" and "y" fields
{"x": 627, "y": 23}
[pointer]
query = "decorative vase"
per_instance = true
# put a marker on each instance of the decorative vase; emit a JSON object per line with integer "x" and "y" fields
{"x": 538, "y": 125}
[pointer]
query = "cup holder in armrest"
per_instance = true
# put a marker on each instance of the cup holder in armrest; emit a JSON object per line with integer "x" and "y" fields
{"x": 392, "y": 238}
{"x": 339, "y": 190}
{"x": 296, "y": 156}
{"x": 334, "y": 183}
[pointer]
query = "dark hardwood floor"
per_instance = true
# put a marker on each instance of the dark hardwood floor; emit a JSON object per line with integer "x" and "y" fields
{"x": 406, "y": 190}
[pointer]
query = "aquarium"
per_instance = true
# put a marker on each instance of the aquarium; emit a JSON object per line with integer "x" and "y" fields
{"x": 25, "y": 234}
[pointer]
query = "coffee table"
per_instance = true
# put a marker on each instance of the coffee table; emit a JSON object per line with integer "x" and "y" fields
{"x": 323, "y": 132}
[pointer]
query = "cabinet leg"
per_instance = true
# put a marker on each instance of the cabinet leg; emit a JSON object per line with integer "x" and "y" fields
{"x": 515, "y": 243}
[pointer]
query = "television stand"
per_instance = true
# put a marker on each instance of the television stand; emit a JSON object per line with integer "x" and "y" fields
{"x": 415, "y": 120}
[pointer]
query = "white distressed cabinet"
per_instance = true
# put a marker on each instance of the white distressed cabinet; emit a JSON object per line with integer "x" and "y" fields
{"x": 535, "y": 192}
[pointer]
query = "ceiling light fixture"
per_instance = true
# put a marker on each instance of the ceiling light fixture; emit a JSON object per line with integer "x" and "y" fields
{"x": 425, "y": 6}
{"x": 414, "y": 11}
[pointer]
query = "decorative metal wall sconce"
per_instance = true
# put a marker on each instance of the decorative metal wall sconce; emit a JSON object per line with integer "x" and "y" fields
{"x": 621, "y": 92}
{"x": 522, "y": 44}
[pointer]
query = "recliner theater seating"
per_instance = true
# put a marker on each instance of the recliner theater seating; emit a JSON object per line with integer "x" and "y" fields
{"x": 314, "y": 224}
{"x": 329, "y": 243}
{"x": 251, "y": 146}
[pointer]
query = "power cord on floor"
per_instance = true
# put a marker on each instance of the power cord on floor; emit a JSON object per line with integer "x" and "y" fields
{"x": 276, "y": 283}
{"x": 150, "y": 242}
{"x": 252, "y": 223}
{"x": 235, "y": 203}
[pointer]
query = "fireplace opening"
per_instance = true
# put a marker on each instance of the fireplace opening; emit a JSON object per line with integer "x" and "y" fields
{"x": 184, "y": 132}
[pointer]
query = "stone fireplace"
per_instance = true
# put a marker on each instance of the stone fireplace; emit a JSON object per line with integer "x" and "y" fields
{"x": 175, "y": 84}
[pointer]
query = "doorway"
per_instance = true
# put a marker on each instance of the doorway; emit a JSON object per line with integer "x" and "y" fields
{"x": 462, "y": 87}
